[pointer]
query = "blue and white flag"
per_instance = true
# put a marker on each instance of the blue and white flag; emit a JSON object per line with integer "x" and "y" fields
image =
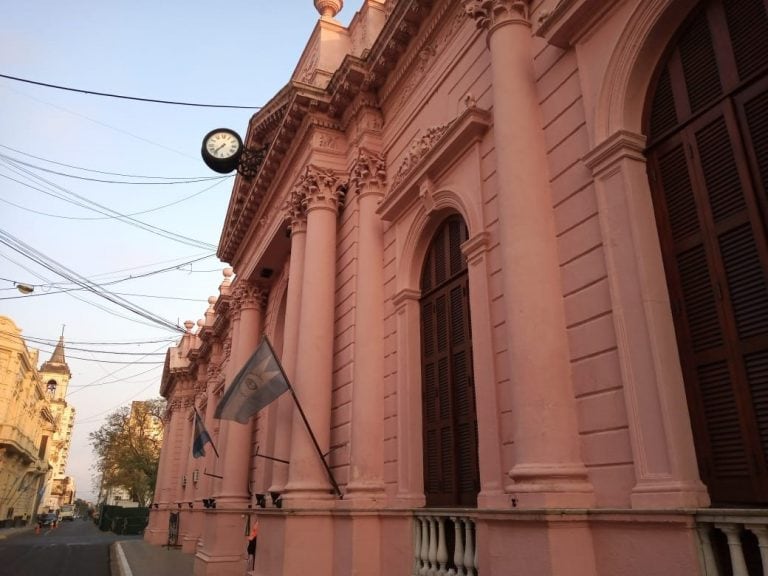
{"x": 259, "y": 382}
{"x": 201, "y": 438}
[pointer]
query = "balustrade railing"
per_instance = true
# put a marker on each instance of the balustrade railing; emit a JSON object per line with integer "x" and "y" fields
{"x": 444, "y": 544}
{"x": 733, "y": 542}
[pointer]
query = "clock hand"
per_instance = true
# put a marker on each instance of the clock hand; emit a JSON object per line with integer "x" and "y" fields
{"x": 219, "y": 148}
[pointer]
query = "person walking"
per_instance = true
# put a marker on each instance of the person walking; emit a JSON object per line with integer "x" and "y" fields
{"x": 251, "y": 548}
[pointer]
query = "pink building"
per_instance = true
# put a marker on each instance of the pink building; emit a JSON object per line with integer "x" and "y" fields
{"x": 513, "y": 257}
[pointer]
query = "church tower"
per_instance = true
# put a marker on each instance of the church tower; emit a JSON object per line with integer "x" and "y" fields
{"x": 55, "y": 375}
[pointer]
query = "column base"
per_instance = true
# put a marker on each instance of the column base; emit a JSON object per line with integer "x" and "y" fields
{"x": 219, "y": 565}
{"x": 550, "y": 486}
{"x": 223, "y": 550}
{"x": 668, "y": 494}
{"x": 362, "y": 495}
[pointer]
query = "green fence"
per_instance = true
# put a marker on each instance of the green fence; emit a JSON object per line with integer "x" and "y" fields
{"x": 123, "y": 520}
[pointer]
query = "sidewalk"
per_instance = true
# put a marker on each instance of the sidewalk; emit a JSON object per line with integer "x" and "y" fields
{"x": 138, "y": 558}
{"x": 6, "y": 532}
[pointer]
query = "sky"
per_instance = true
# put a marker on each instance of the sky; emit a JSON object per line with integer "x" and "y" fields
{"x": 240, "y": 54}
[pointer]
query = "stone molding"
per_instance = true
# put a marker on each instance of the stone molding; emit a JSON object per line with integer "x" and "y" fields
{"x": 489, "y": 14}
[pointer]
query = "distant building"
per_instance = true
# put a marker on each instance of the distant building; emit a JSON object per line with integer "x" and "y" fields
{"x": 55, "y": 375}
{"x": 513, "y": 256}
{"x": 27, "y": 427}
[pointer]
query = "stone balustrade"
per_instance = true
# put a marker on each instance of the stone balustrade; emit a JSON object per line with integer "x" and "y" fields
{"x": 734, "y": 537}
{"x": 444, "y": 544}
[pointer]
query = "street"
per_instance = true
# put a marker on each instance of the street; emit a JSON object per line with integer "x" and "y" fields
{"x": 74, "y": 548}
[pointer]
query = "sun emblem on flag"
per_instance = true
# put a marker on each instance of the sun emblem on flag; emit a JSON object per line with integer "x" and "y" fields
{"x": 260, "y": 375}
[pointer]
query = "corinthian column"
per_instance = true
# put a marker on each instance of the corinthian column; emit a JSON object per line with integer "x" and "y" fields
{"x": 366, "y": 483}
{"x": 283, "y": 433}
{"x": 236, "y": 457}
{"x": 548, "y": 469}
{"x": 319, "y": 192}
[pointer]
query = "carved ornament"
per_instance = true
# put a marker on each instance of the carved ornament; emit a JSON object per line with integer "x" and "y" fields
{"x": 249, "y": 296}
{"x": 490, "y": 13}
{"x": 418, "y": 149}
{"x": 319, "y": 187}
{"x": 369, "y": 172}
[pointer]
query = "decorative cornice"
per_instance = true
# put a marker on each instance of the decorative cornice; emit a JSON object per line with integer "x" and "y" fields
{"x": 368, "y": 173}
{"x": 491, "y": 13}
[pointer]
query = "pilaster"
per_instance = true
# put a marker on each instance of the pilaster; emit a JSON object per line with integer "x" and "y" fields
{"x": 366, "y": 484}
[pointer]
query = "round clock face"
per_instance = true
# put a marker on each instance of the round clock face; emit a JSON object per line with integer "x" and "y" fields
{"x": 222, "y": 144}
{"x": 221, "y": 149}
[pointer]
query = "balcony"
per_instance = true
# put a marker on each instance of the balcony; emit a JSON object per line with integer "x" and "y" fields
{"x": 443, "y": 544}
{"x": 733, "y": 542}
{"x": 15, "y": 441}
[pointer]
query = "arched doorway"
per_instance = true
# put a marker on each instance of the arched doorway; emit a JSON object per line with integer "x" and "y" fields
{"x": 707, "y": 127}
{"x": 451, "y": 473}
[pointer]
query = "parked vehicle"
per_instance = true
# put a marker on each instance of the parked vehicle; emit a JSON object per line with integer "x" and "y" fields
{"x": 46, "y": 520}
{"x": 67, "y": 512}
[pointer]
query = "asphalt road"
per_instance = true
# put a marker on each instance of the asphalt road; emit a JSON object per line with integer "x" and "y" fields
{"x": 74, "y": 548}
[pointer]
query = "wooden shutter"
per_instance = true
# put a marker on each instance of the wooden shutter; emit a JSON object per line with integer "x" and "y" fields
{"x": 451, "y": 473}
{"x": 708, "y": 166}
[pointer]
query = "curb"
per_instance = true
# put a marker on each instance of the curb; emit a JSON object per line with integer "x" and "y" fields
{"x": 118, "y": 564}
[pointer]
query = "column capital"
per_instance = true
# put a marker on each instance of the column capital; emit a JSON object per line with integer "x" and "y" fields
{"x": 489, "y": 14}
{"x": 248, "y": 295}
{"x": 319, "y": 188}
{"x": 368, "y": 174}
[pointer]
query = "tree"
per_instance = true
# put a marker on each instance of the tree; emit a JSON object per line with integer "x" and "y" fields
{"x": 127, "y": 448}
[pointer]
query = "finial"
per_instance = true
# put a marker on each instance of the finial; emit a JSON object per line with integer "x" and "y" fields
{"x": 188, "y": 325}
{"x": 211, "y": 302}
{"x": 329, "y": 8}
{"x": 200, "y": 324}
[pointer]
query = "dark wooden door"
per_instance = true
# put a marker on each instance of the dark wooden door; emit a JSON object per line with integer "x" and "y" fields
{"x": 451, "y": 476}
{"x": 708, "y": 164}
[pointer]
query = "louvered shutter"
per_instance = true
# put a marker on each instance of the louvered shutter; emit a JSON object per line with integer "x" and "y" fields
{"x": 708, "y": 178}
{"x": 451, "y": 476}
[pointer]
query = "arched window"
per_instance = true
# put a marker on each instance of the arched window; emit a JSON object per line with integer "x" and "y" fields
{"x": 707, "y": 125}
{"x": 51, "y": 387}
{"x": 451, "y": 476}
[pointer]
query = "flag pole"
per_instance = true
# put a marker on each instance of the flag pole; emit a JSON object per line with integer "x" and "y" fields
{"x": 306, "y": 422}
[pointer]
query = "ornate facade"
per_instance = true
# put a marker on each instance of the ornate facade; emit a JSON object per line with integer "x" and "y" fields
{"x": 512, "y": 255}
{"x": 27, "y": 428}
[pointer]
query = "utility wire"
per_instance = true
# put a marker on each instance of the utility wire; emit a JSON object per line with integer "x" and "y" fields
{"x": 108, "y": 95}
{"x": 68, "y": 342}
{"x": 166, "y": 182}
{"x": 76, "y": 297}
{"x": 38, "y": 257}
{"x": 86, "y": 203}
{"x": 62, "y": 217}
{"x": 110, "y": 282}
{"x": 100, "y": 171}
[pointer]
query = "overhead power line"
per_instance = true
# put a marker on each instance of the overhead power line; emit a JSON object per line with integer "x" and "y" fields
{"x": 100, "y": 171}
{"x": 93, "y": 343}
{"x": 123, "y": 97}
{"x": 93, "y": 206}
{"x": 65, "y": 286}
{"x": 164, "y": 182}
{"x": 49, "y": 263}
